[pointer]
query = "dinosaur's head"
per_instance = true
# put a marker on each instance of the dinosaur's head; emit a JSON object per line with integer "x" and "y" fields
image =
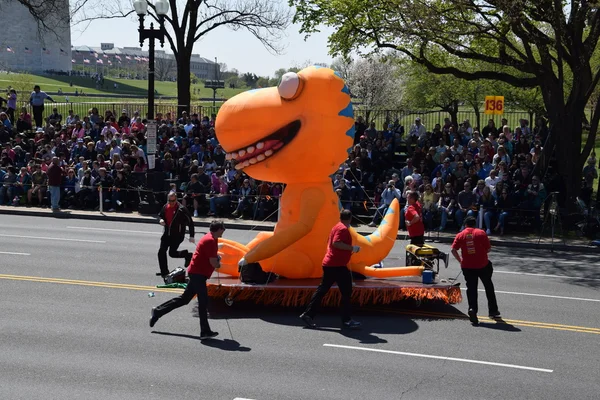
{"x": 298, "y": 131}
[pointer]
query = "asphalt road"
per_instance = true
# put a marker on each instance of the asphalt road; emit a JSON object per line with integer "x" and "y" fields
{"x": 74, "y": 325}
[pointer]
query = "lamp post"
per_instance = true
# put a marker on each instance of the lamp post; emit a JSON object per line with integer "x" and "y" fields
{"x": 141, "y": 9}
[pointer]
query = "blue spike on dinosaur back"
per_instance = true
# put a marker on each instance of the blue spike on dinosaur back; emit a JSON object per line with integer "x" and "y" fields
{"x": 351, "y": 132}
{"x": 348, "y": 111}
{"x": 368, "y": 238}
{"x": 390, "y": 211}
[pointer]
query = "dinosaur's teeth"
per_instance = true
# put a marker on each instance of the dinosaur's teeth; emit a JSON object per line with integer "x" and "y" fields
{"x": 268, "y": 152}
{"x": 239, "y": 166}
{"x": 234, "y": 156}
{"x": 260, "y": 145}
{"x": 246, "y": 164}
{"x": 252, "y": 160}
{"x": 250, "y": 149}
{"x": 260, "y": 157}
{"x": 228, "y": 156}
{"x": 242, "y": 153}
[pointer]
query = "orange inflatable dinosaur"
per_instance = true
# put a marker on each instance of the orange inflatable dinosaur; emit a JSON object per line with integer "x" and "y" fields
{"x": 298, "y": 133}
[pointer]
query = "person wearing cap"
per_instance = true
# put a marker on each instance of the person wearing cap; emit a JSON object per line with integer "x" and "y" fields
{"x": 174, "y": 217}
{"x": 203, "y": 263}
{"x": 387, "y": 196}
{"x": 474, "y": 246}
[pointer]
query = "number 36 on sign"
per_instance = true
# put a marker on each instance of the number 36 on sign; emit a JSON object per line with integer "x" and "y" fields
{"x": 494, "y": 105}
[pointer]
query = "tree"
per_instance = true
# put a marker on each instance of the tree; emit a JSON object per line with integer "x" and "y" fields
{"x": 376, "y": 84}
{"x": 164, "y": 67}
{"x": 527, "y": 43}
{"x": 191, "y": 21}
{"x": 250, "y": 79}
{"x": 425, "y": 91}
{"x": 343, "y": 66}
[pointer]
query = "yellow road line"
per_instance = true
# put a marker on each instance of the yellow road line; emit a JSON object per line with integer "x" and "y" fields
{"x": 532, "y": 324}
{"x": 110, "y": 285}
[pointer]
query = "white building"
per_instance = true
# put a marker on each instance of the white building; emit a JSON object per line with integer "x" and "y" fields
{"x": 107, "y": 57}
{"x": 24, "y": 48}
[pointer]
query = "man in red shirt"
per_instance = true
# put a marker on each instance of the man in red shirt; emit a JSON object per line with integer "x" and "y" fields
{"x": 204, "y": 261}
{"x": 335, "y": 270}
{"x": 414, "y": 220}
{"x": 474, "y": 246}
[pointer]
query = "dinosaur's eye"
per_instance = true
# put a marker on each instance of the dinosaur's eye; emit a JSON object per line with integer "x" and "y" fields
{"x": 290, "y": 86}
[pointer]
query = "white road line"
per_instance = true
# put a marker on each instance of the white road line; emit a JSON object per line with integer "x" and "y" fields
{"x": 14, "y": 254}
{"x": 113, "y": 230}
{"x": 548, "y": 260}
{"x": 52, "y": 238}
{"x": 546, "y": 275}
{"x": 541, "y": 295}
{"x": 241, "y": 398}
{"x": 465, "y": 360}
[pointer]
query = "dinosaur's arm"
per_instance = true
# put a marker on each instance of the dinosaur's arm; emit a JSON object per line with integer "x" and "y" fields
{"x": 311, "y": 202}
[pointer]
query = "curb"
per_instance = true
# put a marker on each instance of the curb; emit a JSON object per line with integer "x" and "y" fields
{"x": 557, "y": 246}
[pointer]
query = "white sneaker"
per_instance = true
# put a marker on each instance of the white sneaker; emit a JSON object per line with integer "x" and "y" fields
{"x": 196, "y": 213}
{"x": 488, "y": 232}
{"x": 111, "y": 210}
{"x": 119, "y": 203}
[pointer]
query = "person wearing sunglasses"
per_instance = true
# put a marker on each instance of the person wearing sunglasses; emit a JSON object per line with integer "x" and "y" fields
{"x": 174, "y": 217}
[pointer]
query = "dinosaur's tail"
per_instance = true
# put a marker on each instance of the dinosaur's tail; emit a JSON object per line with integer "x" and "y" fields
{"x": 376, "y": 246}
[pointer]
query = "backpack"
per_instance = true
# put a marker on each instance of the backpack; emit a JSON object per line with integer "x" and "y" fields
{"x": 253, "y": 273}
{"x": 175, "y": 276}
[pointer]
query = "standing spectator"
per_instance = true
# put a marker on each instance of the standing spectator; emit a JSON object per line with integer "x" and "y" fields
{"x": 203, "y": 263}
{"x": 474, "y": 246}
{"x": 244, "y": 199}
{"x": 387, "y": 196}
{"x": 174, "y": 217}
{"x": 414, "y": 219}
{"x": 11, "y": 105}
{"x": 194, "y": 191}
{"x": 36, "y": 100}
{"x": 55, "y": 178}
{"x": 335, "y": 270}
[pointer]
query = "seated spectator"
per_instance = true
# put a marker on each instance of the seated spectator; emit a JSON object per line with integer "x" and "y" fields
{"x": 244, "y": 199}
{"x": 467, "y": 205}
{"x": 487, "y": 205}
{"x": 39, "y": 185}
{"x": 220, "y": 198}
{"x": 7, "y": 190}
{"x": 502, "y": 209}
{"x": 118, "y": 191}
{"x": 195, "y": 191}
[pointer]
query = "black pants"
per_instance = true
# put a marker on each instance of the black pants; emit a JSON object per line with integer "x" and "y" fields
{"x": 472, "y": 277}
{"x": 196, "y": 286}
{"x": 331, "y": 275}
{"x": 11, "y": 115}
{"x": 418, "y": 240}
{"x": 170, "y": 243}
{"x": 38, "y": 116}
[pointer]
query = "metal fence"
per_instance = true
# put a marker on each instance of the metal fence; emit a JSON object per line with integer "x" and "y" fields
{"x": 430, "y": 118}
{"x": 379, "y": 117}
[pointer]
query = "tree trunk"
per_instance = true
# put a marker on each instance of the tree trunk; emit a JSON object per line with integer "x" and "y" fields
{"x": 183, "y": 81}
{"x": 452, "y": 109}
{"x": 477, "y": 117}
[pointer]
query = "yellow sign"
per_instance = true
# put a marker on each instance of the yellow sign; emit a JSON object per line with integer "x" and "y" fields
{"x": 494, "y": 105}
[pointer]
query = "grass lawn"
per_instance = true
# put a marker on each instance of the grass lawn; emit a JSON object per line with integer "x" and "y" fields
{"x": 125, "y": 86}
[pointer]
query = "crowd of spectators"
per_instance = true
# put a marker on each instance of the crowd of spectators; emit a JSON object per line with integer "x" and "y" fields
{"x": 458, "y": 170}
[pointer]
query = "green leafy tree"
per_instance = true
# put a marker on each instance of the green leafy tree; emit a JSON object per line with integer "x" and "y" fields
{"x": 552, "y": 45}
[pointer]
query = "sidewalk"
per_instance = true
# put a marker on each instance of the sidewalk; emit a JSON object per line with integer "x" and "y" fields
{"x": 517, "y": 241}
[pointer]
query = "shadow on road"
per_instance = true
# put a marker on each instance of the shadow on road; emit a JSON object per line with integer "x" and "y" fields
{"x": 500, "y": 325}
{"x": 225, "y": 344}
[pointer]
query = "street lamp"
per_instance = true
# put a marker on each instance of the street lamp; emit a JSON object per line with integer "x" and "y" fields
{"x": 161, "y": 7}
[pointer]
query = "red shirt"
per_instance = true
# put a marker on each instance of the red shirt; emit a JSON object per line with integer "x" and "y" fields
{"x": 474, "y": 245}
{"x": 337, "y": 257}
{"x": 169, "y": 213}
{"x": 418, "y": 228}
{"x": 207, "y": 248}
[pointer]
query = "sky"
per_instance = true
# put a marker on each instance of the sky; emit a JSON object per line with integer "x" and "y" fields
{"x": 237, "y": 49}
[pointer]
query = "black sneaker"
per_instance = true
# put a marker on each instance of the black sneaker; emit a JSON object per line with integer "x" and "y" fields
{"x": 495, "y": 315}
{"x": 308, "y": 320}
{"x": 188, "y": 260}
{"x": 351, "y": 324}
{"x": 153, "y": 317}
{"x": 473, "y": 317}
{"x": 208, "y": 335}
